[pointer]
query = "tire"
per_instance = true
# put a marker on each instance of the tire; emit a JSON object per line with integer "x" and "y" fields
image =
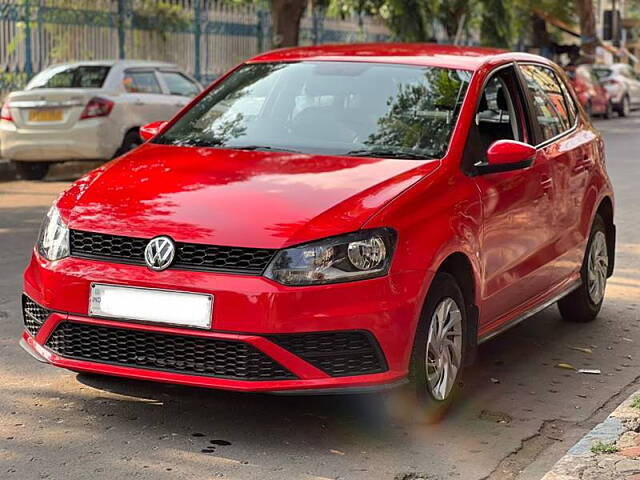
{"x": 131, "y": 141}
{"x": 435, "y": 397}
{"x": 624, "y": 109}
{"x": 583, "y": 304}
{"x": 608, "y": 113}
{"x": 589, "y": 109}
{"x": 32, "y": 170}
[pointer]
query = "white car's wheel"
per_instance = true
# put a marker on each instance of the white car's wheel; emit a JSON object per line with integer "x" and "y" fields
{"x": 32, "y": 170}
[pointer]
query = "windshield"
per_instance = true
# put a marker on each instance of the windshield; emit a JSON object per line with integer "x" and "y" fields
{"x": 92, "y": 76}
{"x": 335, "y": 108}
{"x": 602, "y": 73}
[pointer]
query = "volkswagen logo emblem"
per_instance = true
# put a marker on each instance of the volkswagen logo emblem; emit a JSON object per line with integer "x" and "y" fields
{"x": 159, "y": 253}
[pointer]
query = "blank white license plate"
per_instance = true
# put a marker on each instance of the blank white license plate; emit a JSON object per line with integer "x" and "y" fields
{"x": 150, "y": 305}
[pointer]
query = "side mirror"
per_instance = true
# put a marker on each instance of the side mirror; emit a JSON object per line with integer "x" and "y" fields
{"x": 506, "y": 156}
{"x": 150, "y": 130}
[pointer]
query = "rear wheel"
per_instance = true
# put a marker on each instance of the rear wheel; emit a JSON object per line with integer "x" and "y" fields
{"x": 608, "y": 113}
{"x": 32, "y": 170}
{"x": 439, "y": 348}
{"x": 131, "y": 140}
{"x": 583, "y": 304}
{"x": 624, "y": 109}
{"x": 589, "y": 108}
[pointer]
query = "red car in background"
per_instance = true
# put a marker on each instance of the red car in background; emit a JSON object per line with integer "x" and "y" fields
{"x": 326, "y": 219}
{"x": 595, "y": 99}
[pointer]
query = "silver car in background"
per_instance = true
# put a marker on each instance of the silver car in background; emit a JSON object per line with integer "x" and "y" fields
{"x": 88, "y": 111}
{"x": 622, "y": 83}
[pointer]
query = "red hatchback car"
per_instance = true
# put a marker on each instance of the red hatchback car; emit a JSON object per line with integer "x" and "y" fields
{"x": 330, "y": 219}
{"x": 591, "y": 94}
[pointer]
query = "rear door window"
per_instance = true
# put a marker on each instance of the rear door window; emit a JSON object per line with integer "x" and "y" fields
{"x": 141, "y": 82}
{"x": 549, "y": 102}
{"x": 180, "y": 85}
{"x": 88, "y": 76}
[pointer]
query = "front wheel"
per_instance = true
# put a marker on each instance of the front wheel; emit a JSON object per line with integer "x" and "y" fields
{"x": 439, "y": 348}
{"x": 584, "y": 303}
{"x": 32, "y": 170}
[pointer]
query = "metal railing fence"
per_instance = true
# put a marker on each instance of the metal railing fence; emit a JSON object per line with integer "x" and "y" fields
{"x": 204, "y": 37}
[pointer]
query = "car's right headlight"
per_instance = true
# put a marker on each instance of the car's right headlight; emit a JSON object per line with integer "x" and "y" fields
{"x": 53, "y": 241}
{"x": 345, "y": 258}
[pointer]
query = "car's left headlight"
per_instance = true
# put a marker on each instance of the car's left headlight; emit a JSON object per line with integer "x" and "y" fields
{"x": 53, "y": 242}
{"x": 354, "y": 256}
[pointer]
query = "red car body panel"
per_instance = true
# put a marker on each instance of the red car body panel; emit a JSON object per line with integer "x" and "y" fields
{"x": 523, "y": 233}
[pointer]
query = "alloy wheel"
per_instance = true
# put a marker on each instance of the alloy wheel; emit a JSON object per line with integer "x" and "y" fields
{"x": 444, "y": 348}
{"x": 597, "y": 267}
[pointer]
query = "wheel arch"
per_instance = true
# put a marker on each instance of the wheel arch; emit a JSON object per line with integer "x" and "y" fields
{"x": 605, "y": 210}
{"x": 460, "y": 267}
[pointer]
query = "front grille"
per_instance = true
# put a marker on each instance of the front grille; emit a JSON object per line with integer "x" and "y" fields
{"x": 338, "y": 354}
{"x": 189, "y": 256}
{"x": 33, "y": 314}
{"x": 159, "y": 351}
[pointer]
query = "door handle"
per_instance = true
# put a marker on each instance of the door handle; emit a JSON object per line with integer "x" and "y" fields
{"x": 139, "y": 103}
{"x": 179, "y": 105}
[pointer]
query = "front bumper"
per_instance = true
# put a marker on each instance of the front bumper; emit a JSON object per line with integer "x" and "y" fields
{"x": 324, "y": 338}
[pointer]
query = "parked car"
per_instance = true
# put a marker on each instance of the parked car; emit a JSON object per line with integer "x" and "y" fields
{"x": 595, "y": 99}
{"x": 88, "y": 111}
{"x": 622, "y": 83}
{"x": 330, "y": 219}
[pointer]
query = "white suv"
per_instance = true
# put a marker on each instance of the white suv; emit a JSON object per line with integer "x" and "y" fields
{"x": 88, "y": 111}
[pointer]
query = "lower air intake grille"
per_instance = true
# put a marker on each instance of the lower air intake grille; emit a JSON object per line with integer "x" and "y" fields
{"x": 159, "y": 351}
{"x": 33, "y": 314}
{"x": 338, "y": 354}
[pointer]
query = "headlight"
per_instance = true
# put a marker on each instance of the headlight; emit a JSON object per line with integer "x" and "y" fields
{"x": 53, "y": 242}
{"x": 355, "y": 256}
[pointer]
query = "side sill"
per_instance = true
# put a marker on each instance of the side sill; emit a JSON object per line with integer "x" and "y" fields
{"x": 530, "y": 313}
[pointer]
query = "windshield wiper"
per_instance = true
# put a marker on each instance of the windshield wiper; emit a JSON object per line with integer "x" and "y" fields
{"x": 261, "y": 147}
{"x": 386, "y": 154}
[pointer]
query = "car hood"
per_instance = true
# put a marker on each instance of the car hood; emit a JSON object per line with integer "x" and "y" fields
{"x": 237, "y": 198}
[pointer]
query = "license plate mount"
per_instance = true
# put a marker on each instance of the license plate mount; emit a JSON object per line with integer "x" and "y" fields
{"x": 151, "y": 305}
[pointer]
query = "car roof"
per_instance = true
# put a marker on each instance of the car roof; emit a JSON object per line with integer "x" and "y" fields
{"x": 122, "y": 63}
{"x": 422, "y": 54}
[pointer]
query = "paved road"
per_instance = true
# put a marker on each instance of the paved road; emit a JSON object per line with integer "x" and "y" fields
{"x": 519, "y": 414}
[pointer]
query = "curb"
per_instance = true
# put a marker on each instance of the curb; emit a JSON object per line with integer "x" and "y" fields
{"x": 619, "y": 435}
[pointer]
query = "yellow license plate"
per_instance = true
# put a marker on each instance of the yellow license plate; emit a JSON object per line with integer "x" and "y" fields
{"x": 45, "y": 115}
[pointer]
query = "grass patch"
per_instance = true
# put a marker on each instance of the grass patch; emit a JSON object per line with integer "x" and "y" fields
{"x": 636, "y": 402}
{"x": 600, "y": 447}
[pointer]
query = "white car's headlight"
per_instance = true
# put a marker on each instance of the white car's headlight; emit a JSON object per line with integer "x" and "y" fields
{"x": 355, "y": 256}
{"x": 53, "y": 242}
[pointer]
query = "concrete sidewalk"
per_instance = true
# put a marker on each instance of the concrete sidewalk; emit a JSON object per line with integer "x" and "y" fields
{"x": 611, "y": 451}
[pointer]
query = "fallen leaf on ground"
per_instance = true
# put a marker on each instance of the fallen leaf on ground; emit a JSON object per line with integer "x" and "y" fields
{"x": 581, "y": 349}
{"x": 566, "y": 366}
{"x": 337, "y": 452}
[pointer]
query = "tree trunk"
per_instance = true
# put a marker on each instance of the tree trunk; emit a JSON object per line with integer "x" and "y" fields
{"x": 589, "y": 40}
{"x": 540, "y": 35}
{"x": 285, "y": 18}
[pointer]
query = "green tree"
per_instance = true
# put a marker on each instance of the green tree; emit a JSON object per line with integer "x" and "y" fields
{"x": 496, "y": 28}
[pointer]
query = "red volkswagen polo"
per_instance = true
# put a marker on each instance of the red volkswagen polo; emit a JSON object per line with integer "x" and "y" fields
{"x": 337, "y": 218}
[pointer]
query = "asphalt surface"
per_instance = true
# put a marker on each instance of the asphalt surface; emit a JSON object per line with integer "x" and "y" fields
{"x": 518, "y": 414}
